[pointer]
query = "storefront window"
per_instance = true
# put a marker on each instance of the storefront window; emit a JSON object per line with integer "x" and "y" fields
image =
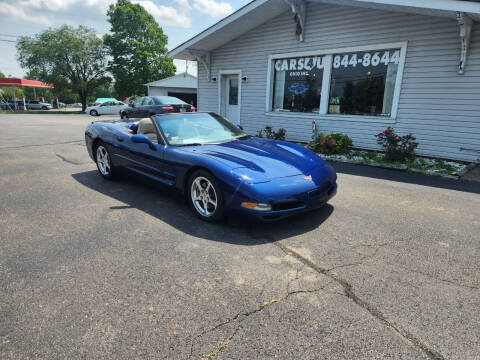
{"x": 363, "y": 83}
{"x": 298, "y": 84}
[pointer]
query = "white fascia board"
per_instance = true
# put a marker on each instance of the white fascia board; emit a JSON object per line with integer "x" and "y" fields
{"x": 447, "y": 5}
{"x": 219, "y": 25}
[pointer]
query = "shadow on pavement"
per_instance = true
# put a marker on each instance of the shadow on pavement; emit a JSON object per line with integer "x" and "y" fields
{"x": 169, "y": 207}
{"x": 411, "y": 178}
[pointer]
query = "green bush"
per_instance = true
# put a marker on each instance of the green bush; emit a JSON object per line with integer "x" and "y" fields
{"x": 269, "y": 133}
{"x": 330, "y": 144}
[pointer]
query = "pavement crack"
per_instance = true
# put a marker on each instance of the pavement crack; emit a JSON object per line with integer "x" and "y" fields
{"x": 37, "y": 145}
{"x": 68, "y": 160}
{"x": 242, "y": 316}
{"x": 350, "y": 293}
{"x": 451, "y": 282}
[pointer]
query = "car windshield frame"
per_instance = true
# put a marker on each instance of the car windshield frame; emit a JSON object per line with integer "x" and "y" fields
{"x": 237, "y": 133}
{"x": 164, "y": 100}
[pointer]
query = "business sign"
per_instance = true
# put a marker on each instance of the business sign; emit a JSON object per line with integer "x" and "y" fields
{"x": 300, "y": 64}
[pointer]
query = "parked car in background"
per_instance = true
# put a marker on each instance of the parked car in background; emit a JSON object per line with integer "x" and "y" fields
{"x": 38, "y": 105}
{"x": 10, "y": 105}
{"x": 151, "y": 105}
{"x": 61, "y": 105}
{"x": 77, "y": 105}
{"x": 106, "y": 108}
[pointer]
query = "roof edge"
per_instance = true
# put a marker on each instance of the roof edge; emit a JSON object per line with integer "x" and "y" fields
{"x": 445, "y": 5}
{"x": 217, "y": 26}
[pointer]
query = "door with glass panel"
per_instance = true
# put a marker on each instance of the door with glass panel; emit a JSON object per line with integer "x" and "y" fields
{"x": 230, "y": 99}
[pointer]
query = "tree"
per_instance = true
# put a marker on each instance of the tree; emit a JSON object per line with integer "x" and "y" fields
{"x": 137, "y": 46}
{"x": 2, "y": 75}
{"x": 72, "y": 59}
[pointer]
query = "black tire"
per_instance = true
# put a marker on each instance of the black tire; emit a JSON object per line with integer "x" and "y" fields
{"x": 44, "y": 108}
{"x": 124, "y": 116}
{"x": 93, "y": 113}
{"x": 219, "y": 212}
{"x": 106, "y": 172}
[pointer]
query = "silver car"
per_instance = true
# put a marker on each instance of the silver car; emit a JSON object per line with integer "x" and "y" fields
{"x": 38, "y": 105}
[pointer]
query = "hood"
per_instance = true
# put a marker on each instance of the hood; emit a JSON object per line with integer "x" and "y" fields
{"x": 261, "y": 160}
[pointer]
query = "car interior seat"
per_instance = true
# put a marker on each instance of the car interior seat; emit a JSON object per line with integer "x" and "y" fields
{"x": 145, "y": 127}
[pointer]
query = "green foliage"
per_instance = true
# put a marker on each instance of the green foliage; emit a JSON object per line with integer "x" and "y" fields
{"x": 72, "y": 59}
{"x": 137, "y": 46}
{"x": 8, "y": 92}
{"x": 331, "y": 144}
{"x": 2, "y": 75}
{"x": 397, "y": 147}
{"x": 269, "y": 133}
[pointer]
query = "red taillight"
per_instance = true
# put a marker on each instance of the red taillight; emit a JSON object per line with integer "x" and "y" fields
{"x": 169, "y": 108}
{"x": 192, "y": 109}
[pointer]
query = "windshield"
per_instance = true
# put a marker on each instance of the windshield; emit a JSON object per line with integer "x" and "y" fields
{"x": 191, "y": 129}
{"x": 168, "y": 100}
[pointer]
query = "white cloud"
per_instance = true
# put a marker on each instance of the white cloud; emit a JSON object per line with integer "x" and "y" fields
{"x": 213, "y": 8}
{"x": 17, "y": 12}
{"x": 167, "y": 15}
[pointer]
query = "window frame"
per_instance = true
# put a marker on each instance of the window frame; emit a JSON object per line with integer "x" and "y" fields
{"x": 328, "y": 55}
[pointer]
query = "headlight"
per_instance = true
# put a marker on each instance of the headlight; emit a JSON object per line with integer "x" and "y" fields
{"x": 257, "y": 206}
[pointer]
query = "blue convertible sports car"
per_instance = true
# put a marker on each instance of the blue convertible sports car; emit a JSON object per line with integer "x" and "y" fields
{"x": 220, "y": 169}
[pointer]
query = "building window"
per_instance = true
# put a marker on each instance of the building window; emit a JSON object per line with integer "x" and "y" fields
{"x": 363, "y": 83}
{"x": 341, "y": 83}
{"x": 233, "y": 91}
{"x": 298, "y": 84}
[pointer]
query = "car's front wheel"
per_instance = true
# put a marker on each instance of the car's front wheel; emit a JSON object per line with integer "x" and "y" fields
{"x": 93, "y": 113}
{"x": 205, "y": 196}
{"x": 104, "y": 161}
{"x": 44, "y": 108}
{"x": 124, "y": 116}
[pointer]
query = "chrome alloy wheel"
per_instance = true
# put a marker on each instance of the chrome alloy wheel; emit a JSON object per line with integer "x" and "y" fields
{"x": 204, "y": 197}
{"x": 103, "y": 160}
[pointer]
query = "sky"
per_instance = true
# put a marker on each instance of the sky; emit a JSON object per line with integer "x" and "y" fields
{"x": 180, "y": 20}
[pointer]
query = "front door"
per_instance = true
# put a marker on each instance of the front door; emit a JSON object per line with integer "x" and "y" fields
{"x": 230, "y": 98}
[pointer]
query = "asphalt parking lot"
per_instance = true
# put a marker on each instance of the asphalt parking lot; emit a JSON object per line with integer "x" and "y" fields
{"x": 121, "y": 270}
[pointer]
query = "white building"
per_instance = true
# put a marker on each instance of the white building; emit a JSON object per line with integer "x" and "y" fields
{"x": 182, "y": 86}
{"x": 352, "y": 66}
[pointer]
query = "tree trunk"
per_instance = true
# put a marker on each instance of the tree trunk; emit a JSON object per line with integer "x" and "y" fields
{"x": 83, "y": 99}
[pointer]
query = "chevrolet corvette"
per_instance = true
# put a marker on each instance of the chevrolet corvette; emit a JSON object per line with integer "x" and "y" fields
{"x": 218, "y": 168}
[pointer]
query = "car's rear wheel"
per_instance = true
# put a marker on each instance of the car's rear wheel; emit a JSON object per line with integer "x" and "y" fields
{"x": 104, "y": 161}
{"x": 44, "y": 108}
{"x": 124, "y": 116}
{"x": 205, "y": 196}
{"x": 93, "y": 113}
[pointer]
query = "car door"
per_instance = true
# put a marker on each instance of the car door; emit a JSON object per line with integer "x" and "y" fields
{"x": 146, "y": 160}
{"x": 102, "y": 108}
{"x": 135, "y": 110}
{"x": 147, "y": 106}
{"x": 116, "y": 107}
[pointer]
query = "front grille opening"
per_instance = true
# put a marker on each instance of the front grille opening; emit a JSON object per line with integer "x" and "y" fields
{"x": 287, "y": 205}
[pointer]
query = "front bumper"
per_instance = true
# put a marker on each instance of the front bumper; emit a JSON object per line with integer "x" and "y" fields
{"x": 287, "y": 196}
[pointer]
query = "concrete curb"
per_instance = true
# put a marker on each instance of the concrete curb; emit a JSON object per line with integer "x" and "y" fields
{"x": 393, "y": 167}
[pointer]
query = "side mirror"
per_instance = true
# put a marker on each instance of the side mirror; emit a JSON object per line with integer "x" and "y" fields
{"x": 240, "y": 126}
{"x": 142, "y": 139}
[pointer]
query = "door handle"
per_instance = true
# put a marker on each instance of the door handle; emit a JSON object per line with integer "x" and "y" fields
{"x": 119, "y": 138}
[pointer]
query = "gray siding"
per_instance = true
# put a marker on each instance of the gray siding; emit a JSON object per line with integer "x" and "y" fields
{"x": 440, "y": 107}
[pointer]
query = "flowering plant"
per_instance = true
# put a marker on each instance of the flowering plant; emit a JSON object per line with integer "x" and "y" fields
{"x": 397, "y": 147}
{"x": 329, "y": 144}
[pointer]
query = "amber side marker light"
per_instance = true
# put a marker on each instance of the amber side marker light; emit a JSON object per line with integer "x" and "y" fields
{"x": 256, "y": 206}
